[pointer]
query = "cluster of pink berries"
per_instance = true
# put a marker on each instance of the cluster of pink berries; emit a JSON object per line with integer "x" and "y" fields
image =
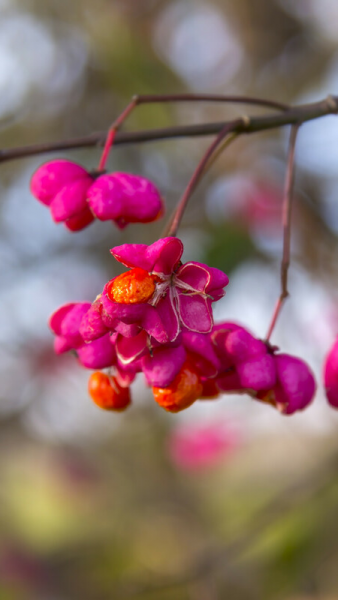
{"x": 157, "y": 316}
{"x": 76, "y": 197}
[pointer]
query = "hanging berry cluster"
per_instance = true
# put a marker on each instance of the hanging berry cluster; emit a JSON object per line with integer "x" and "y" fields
{"x": 156, "y": 317}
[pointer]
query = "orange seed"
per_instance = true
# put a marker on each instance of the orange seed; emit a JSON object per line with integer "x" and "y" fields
{"x": 182, "y": 392}
{"x": 107, "y": 393}
{"x": 132, "y": 287}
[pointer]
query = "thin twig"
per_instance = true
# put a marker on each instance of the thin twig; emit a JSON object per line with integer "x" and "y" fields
{"x": 157, "y": 98}
{"x": 219, "y": 151}
{"x": 113, "y": 130}
{"x": 163, "y": 98}
{"x": 299, "y": 114}
{"x": 174, "y": 222}
{"x": 287, "y": 209}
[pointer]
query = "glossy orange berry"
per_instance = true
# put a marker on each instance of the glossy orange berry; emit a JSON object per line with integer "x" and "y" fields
{"x": 182, "y": 392}
{"x": 107, "y": 393}
{"x": 132, "y": 287}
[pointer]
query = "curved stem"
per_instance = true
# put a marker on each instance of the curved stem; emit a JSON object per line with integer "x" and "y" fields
{"x": 298, "y": 114}
{"x": 173, "y": 225}
{"x": 154, "y": 98}
{"x": 159, "y": 99}
{"x": 219, "y": 151}
{"x": 113, "y": 130}
{"x": 287, "y": 209}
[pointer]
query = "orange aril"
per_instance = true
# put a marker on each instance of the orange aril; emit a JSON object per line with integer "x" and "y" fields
{"x": 107, "y": 393}
{"x": 182, "y": 392}
{"x": 132, "y": 287}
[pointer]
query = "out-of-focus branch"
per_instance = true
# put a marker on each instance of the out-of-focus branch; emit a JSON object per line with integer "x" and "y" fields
{"x": 291, "y": 116}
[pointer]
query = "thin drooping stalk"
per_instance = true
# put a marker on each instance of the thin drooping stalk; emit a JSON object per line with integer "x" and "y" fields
{"x": 218, "y": 152}
{"x": 287, "y": 209}
{"x": 293, "y": 115}
{"x": 164, "y": 98}
{"x": 112, "y": 132}
{"x": 174, "y": 222}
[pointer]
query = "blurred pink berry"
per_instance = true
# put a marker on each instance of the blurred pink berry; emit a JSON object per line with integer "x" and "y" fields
{"x": 76, "y": 197}
{"x": 194, "y": 447}
{"x": 331, "y": 375}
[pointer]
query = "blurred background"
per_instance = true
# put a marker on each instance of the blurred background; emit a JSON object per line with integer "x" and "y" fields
{"x": 228, "y": 499}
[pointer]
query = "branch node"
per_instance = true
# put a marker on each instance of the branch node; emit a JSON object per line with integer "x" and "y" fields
{"x": 246, "y": 121}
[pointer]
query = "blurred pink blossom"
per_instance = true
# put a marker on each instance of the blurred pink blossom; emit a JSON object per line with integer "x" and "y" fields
{"x": 202, "y": 446}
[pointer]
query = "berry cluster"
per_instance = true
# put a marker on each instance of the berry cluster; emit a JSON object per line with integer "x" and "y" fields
{"x": 77, "y": 197}
{"x": 156, "y": 317}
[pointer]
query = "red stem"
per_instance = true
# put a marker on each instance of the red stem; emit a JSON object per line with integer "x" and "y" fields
{"x": 173, "y": 225}
{"x": 112, "y": 132}
{"x": 152, "y": 99}
{"x": 287, "y": 209}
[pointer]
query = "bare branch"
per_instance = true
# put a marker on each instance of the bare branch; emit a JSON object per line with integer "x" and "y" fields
{"x": 295, "y": 115}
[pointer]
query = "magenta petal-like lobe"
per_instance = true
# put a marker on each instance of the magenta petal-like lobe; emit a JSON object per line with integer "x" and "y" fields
{"x": 166, "y": 310}
{"x": 51, "y": 177}
{"x": 258, "y": 373}
{"x": 92, "y": 326}
{"x": 79, "y": 221}
{"x": 127, "y": 330}
{"x": 70, "y": 325}
{"x": 70, "y": 200}
{"x": 55, "y": 320}
{"x": 105, "y": 197}
{"x": 229, "y": 381}
{"x": 65, "y": 323}
{"x": 163, "y": 366}
{"x": 194, "y": 275}
{"x": 144, "y": 315}
{"x": 194, "y": 312}
{"x": 167, "y": 253}
{"x": 98, "y": 354}
{"x": 129, "y": 349}
{"x": 218, "y": 338}
{"x": 61, "y": 345}
{"x": 128, "y": 313}
{"x": 161, "y": 257}
{"x": 124, "y": 198}
{"x": 205, "y": 359}
{"x": 241, "y": 345}
{"x": 296, "y": 384}
{"x": 125, "y": 376}
{"x": 331, "y": 375}
{"x": 153, "y": 324}
{"x": 218, "y": 280}
{"x": 133, "y": 255}
{"x": 202, "y": 278}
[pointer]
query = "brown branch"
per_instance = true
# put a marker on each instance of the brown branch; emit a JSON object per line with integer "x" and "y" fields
{"x": 164, "y": 98}
{"x": 156, "y": 98}
{"x": 294, "y": 115}
{"x": 287, "y": 208}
